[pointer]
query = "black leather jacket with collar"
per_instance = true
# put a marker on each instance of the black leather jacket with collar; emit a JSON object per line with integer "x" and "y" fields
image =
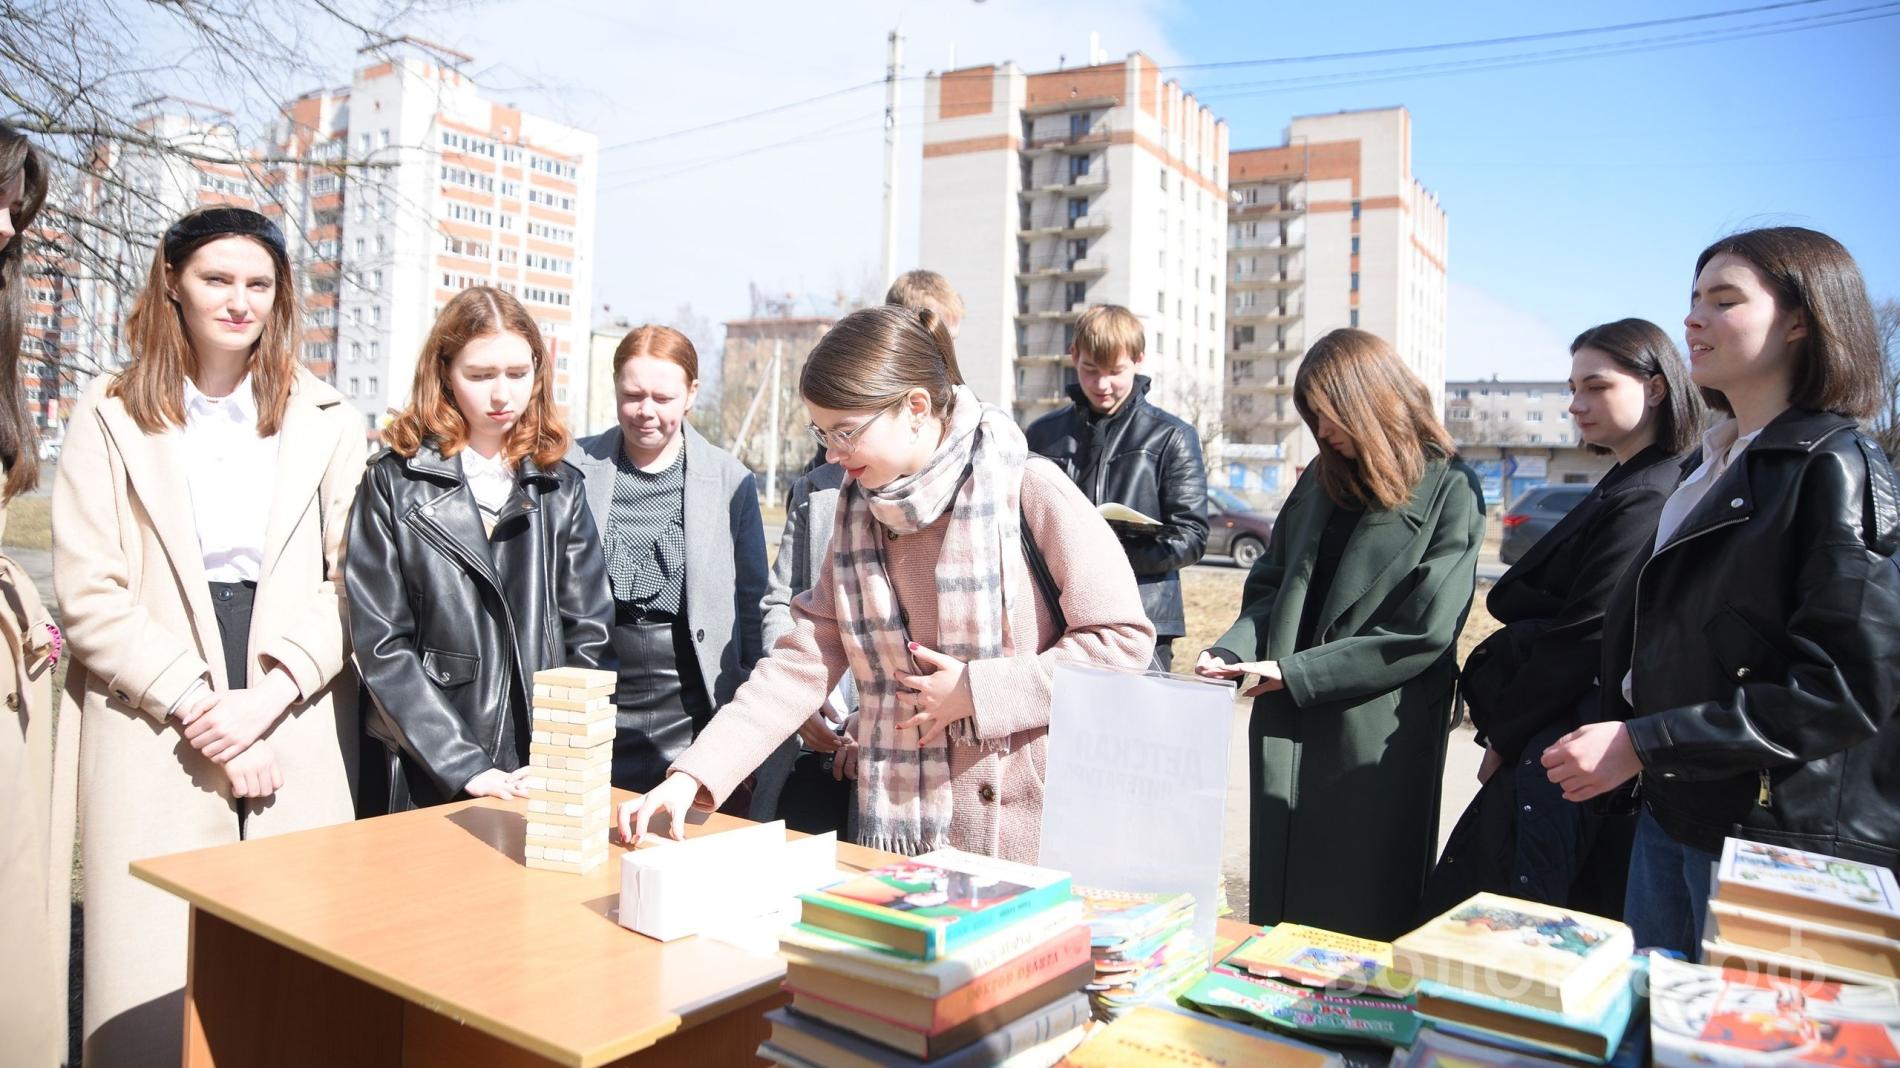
{"x": 1149, "y": 460}
{"x": 450, "y": 624}
{"x": 1764, "y": 638}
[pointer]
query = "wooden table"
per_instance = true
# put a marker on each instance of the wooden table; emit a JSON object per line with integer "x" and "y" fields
{"x": 420, "y": 939}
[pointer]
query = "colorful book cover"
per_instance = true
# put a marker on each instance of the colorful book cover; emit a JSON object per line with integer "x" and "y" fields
{"x": 821, "y": 1043}
{"x": 838, "y": 953}
{"x": 1116, "y": 917}
{"x": 1437, "y": 1049}
{"x": 1701, "y": 1015}
{"x": 1795, "y": 880}
{"x": 1311, "y": 956}
{"x": 1251, "y": 999}
{"x": 929, "y": 905}
{"x": 1593, "y": 1034}
{"x": 1539, "y": 955}
{"x": 1150, "y": 1035}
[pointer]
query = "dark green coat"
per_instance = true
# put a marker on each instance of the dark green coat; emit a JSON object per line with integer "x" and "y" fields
{"x": 1345, "y": 762}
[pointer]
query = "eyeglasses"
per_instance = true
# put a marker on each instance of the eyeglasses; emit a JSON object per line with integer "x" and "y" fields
{"x": 843, "y": 441}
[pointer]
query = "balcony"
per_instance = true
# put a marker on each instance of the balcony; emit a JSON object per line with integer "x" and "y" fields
{"x": 1061, "y": 181}
{"x": 1062, "y": 265}
{"x": 1266, "y": 314}
{"x": 1290, "y": 279}
{"x": 1268, "y": 243}
{"x": 1267, "y": 209}
{"x": 1032, "y": 358}
{"x": 1051, "y": 308}
{"x": 1292, "y": 346}
{"x": 1093, "y": 223}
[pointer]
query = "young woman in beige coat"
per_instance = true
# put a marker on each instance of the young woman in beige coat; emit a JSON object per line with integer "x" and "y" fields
{"x": 198, "y": 524}
{"x": 36, "y": 838}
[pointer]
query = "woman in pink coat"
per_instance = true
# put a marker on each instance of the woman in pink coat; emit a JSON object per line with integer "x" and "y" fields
{"x": 931, "y": 600}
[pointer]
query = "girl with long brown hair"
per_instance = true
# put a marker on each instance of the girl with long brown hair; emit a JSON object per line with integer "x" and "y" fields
{"x": 932, "y": 600}
{"x": 198, "y": 520}
{"x": 1350, "y": 621}
{"x": 473, "y": 561}
{"x": 36, "y": 841}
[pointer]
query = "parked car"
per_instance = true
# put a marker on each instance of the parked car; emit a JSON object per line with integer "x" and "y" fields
{"x": 1234, "y": 528}
{"x": 1533, "y": 515}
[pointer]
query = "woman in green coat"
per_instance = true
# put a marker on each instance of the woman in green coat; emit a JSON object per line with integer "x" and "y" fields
{"x": 1351, "y": 623}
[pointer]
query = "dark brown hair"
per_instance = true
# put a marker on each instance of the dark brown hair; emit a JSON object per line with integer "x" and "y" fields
{"x": 1838, "y": 362}
{"x": 477, "y": 312}
{"x": 1356, "y": 381}
{"x": 152, "y": 387}
{"x": 874, "y": 356}
{"x": 19, "y": 438}
{"x": 1641, "y": 348}
{"x": 662, "y": 341}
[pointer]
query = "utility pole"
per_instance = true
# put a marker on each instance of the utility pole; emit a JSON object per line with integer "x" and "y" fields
{"x": 893, "y": 63}
{"x": 773, "y": 435}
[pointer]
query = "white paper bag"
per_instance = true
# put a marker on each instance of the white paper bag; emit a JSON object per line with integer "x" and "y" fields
{"x": 1137, "y": 783}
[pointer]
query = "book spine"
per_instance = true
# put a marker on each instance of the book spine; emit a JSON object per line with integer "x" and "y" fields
{"x": 843, "y": 955}
{"x": 972, "y": 926}
{"x": 1026, "y": 972}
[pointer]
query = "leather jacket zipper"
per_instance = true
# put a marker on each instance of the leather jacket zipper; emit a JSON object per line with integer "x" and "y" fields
{"x": 1765, "y": 795}
{"x": 455, "y": 549}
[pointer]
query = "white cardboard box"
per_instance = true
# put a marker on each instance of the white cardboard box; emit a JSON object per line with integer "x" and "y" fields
{"x": 693, "y": 887}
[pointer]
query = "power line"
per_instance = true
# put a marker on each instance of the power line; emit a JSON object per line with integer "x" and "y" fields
{"x": 717, "y": 123}
{"x": 1525, "y": 38}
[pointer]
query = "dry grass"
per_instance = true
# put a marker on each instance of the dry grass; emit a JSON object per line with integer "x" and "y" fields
{"x": 30, "y": 522}
{"x": 1212, "y": 597}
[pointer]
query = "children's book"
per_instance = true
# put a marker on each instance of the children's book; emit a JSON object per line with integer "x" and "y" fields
{"x": 818, "y": 948}
{"x": 1303, "y": 1010}
{"x": 1813, "y": 886}
{"x": 1593, "y": 1033}
{"x": 930, "y": 905}
{"x": 1151, "y": 1035}
{"x": 1311, "y": 956}
{"x": 1439, "y": 1049}
{"x": 1534, "y": 954}
{"x": 1720, "y": 953}
{"x": 820, "y": 1043}
{"x": 1700, "y": 1015}
{"x": 925, "y": 1045}
{"x": 1789, "y": 936}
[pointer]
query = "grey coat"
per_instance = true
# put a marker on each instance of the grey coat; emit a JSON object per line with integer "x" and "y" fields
{"x": 802, "y": 548}
{"x": 725, "y": 552}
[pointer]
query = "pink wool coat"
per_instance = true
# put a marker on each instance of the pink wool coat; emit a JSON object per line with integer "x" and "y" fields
{"x": 997, "y": 793}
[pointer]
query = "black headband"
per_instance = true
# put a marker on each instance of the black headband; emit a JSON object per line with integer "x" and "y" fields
{"x": 199, "y": 226}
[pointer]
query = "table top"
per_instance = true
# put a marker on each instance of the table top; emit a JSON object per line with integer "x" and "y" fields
{"x": 436, "y": 906}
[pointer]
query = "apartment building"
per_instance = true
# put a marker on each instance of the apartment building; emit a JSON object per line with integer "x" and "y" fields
{"x": 1329, "y": 229}
{"x": 1045, "y": 193}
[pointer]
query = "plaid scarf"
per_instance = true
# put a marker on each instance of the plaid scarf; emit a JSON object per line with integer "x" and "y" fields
{"x": 976, "y": 474}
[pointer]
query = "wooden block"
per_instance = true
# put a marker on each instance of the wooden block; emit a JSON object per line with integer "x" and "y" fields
{"x": 593, "y": 706}
{"x": 552, "y": 783}
{"x": 581, "y": 819}
{"x": 538, "y": 831}
{"x": 600, "y": 796}
{"x": 533, "y": 852}
{"x": 593, "y": 733}
{"x": 573, "y": 678}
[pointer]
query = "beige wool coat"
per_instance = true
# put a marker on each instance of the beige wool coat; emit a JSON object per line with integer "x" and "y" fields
{"x": 36, "y": 838}
{"x": 139, "y": 623}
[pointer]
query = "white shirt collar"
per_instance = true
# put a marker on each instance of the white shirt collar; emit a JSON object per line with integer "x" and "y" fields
{"x": 1721, "y": 443}
{"x": 239, "y": 407}
{"x": 475, "y": 465}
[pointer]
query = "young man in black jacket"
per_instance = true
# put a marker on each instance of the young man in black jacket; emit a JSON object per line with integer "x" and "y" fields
{"x": 1120, "y": 448}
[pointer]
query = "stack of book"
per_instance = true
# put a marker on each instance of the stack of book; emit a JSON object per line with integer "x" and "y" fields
{"x": 1143, "y": 947}
{"x": 1148, "y": 1035}
{"x": 1526, "y": 976}
{"x": 946, "y": 959}
{"x": 1789, "y": 912}
{"x": 1702, "y": 1015}
{"x": 1314, "y": 983}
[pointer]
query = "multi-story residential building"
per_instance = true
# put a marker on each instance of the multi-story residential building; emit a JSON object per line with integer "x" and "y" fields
{"x": 745, "y": 373}
{"x": 1043, "y": 194}
{"x": 446, "y": 190}
{"x": 1328, "y": 230}
{"x": 1519, "y": 434}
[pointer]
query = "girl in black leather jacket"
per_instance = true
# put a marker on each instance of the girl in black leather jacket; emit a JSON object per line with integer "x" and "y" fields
{"x": 473, "y": 561}
{"x": 1751, "y": 661}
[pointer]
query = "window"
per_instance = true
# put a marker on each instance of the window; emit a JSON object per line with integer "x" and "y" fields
{"x": 474, "y": 146}
{"x": 1537, "y": 439}
{"x": 372, "y": 384}
{"x": 1161, "y": 303}
{"x": 1355, "y": 244}
{"x": 356, "y": 316}
{"x": 382, "y": 138}
{"x": 468, "y": 179}
{"x": 355, "y": 385}
{"x": 1354, "y": 316}
{"x": 376, "y": 280}
{"x": 362, "y": 142}
{"x": 1355, "y": 211}
{"x": 361, "y": 247}
{"x": 376, "y": 315}
{"x": 512, "y": 190}
{"x": 1533, "y": 417}
{"x": 1164, "y": 177}
{"x": 356, "y": 352}
{"x": 382, "y": 244}
{"x": 375, "y": 353}
{"x": 1534, "y": 394}
{"x": 510, "y": 154}
{"x": 555, "y": 167}
{"x": 1355, "y": 281}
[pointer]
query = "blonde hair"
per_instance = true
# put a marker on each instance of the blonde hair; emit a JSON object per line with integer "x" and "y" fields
{"x": 1356, "y": 381}
{"x": 1107, "y": 329}
{"x": 926, "y": 289}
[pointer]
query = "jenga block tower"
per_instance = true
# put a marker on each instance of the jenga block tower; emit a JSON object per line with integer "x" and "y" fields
{"x": 570, "y": 802}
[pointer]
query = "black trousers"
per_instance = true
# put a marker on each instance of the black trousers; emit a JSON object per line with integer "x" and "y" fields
{"x": 660, "y": 698}
{"x": 231, "y": 602}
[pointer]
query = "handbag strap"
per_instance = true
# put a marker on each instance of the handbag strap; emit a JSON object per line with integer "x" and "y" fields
{"x": 1045, "y": 582}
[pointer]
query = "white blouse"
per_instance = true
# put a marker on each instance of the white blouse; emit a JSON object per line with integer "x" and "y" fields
{"x": 492, "y": 481}
{"x": 232, "y": 474}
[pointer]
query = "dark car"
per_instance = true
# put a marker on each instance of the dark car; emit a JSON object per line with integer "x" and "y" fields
{"x": 1533, "y": 515}
{"x": 1234, "y": 528}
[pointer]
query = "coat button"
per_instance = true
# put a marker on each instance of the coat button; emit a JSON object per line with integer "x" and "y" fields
{"x": 13, "y": 700}
{"x": 986, "y": 794}
{"x": 428, "y": 509}
{"x": 1741, "y": 672}
{"x": 891, "y": 535}
{"x": 122, "y": 695}
{"x": 1736, "y": 503}
{"x": 1527, "y": 808}
{"x": 699, "y": 635}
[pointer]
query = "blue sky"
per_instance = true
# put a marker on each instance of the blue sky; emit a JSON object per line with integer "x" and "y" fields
{"x": 1577, "y": 192}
